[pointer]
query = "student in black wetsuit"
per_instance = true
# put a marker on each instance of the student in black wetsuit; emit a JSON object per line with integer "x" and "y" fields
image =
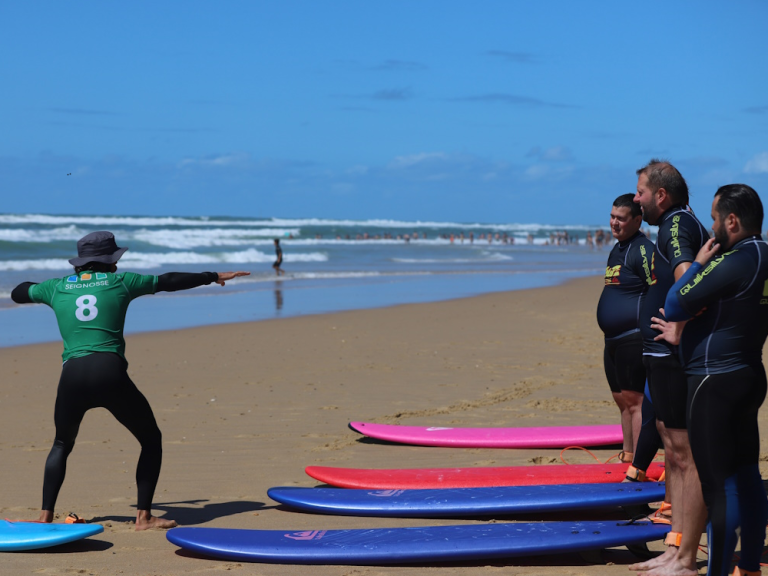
{"x": 90, "y": 307}
{"x": 662, "y": 193}
{"x": 627, "y": 278}
{"x": 723, "y": 294}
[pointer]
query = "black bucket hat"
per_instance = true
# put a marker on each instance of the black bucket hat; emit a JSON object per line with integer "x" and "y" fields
{"x": 97, "y": 247}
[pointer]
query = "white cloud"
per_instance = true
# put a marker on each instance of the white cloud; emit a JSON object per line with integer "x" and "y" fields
{"x": 758, "y": 164}
{"x": 557, "y": 154}
{"x": 223, "y": 160}
{"x": 358, "y": 170}
{"x": 554, "y": 154}
{"x": 536, "y": 171}
{"x": 415, "y": 159}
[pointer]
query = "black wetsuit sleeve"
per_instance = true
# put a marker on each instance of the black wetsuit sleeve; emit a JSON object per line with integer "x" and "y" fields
{"x": 173, "y": 281}
{"x": 684, "y": 241}
{"x": 20, "y": 294}
{"x": 639, "y": 261}
{"x": 722, "y": 277}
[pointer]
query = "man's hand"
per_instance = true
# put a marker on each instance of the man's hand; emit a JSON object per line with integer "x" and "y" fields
{"x": 670, "y": 331}
{"x": 707, "y": 251}
{"x": 224, "y": 276}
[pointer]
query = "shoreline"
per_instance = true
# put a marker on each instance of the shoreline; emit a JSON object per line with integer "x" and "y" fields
{"x": 276, "y": 299}
{"x": 245, "y": 407}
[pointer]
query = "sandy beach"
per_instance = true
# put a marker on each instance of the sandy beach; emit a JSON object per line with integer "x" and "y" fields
{"x": 245, "y": 407}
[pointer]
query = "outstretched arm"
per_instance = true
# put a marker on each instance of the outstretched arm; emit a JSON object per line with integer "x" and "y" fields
{"x": 224, "y": 276}
{"x": 174, "y": 281}
{"x": 20, "y": 294}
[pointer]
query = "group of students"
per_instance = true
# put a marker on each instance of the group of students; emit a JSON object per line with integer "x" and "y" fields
{"x": 685, "y": 321}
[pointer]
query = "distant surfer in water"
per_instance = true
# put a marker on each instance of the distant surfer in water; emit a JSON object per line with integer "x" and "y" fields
{"x": 90, "y": 307}
{"x": 278, "y": 258}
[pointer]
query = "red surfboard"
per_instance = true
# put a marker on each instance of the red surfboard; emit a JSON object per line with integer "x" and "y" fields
{"x": 475, "y": 477}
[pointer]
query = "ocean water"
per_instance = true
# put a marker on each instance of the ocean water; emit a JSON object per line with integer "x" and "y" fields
{"x": 330, "y": 265}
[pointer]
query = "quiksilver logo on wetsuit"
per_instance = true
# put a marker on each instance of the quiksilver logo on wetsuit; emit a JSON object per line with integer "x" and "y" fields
{"x": 675, "y": 232}
{"x": 648, "y": 276}
{"x": 700, "y": 276}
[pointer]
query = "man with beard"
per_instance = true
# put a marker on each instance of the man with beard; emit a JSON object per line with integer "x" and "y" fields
{"x": 662, "y": 193}
{"x": 723, "y": 294}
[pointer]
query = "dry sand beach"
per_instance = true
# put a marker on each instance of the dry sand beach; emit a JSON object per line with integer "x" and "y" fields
{"x": 245, "y": 407}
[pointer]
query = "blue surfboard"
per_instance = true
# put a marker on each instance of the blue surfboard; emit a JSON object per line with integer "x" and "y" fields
{"x": 406, "y": 545}
{"x": 455, "y": 502}
{"x": 15, "y": 536}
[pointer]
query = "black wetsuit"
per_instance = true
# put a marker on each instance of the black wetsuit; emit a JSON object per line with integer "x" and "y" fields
{"x": 649, "y": 441}
{"x": 627, "y": 279}
{"x": 678, "y": 241}
{"x": 721, "y": 350}
{"x": 279, "y": 256}
{"x": 100, "y": 379}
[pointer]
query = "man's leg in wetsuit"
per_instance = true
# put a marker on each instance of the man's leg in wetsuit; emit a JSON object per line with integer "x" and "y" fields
{"x": 129, "y": 406}
{"x": 668, "y": 385}
{"x": 726, "y": 448}
{"x": 72, "y": 402}
{"x": 649, "y": 442}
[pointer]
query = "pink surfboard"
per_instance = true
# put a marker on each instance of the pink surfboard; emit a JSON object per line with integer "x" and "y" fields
{"x": 417, "y": 478}
{"x": 547, "y": 437}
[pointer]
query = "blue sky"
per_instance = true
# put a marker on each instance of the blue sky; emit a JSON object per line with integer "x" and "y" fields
{"x": 434, "y": 110}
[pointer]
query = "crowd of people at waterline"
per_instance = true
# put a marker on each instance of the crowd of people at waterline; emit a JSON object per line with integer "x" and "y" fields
{"x": 593, "y": 239}
{"x": 685, "y": 319}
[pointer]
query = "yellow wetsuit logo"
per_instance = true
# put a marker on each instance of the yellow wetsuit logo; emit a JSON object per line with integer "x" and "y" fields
{"x": 612, "y": 274}
{"x": 648, "y": 275}
{"x": 652, "y": 279}
{"x": 700, "y": 276}
{"x": 675, "y": 232}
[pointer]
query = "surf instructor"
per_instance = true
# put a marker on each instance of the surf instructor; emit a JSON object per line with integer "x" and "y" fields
{"x": 90, "y": 307}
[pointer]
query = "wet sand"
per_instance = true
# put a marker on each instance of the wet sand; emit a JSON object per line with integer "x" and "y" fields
{"x": 245, "y": 407}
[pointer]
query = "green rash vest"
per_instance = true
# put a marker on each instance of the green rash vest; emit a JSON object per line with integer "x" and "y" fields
{"x": 90, "y": 308}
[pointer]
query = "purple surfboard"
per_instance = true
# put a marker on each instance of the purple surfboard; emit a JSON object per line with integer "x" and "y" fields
{"x": 545, "y": 437}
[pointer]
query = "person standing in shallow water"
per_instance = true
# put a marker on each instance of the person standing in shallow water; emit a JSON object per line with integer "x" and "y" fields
{"x": 278, "y": 258}
{"x": 90, "y": 307}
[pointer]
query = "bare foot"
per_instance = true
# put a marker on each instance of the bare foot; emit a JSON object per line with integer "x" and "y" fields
{"x": 659, "y": 561}
{"x": 674, "y": 568}
{"x": 145, "y": 521}
{"x": 46, "y": 517}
